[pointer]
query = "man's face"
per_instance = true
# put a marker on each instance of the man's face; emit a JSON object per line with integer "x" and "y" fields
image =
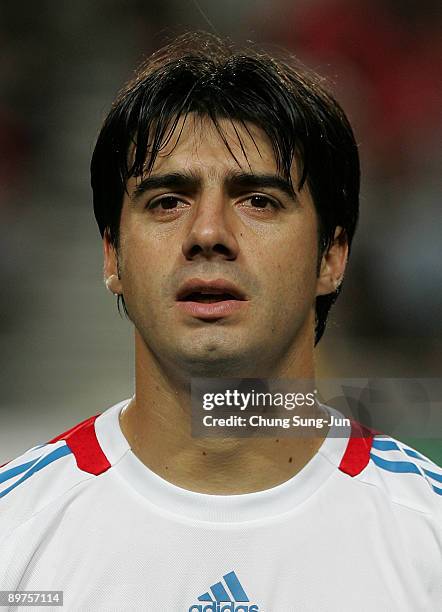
{"x": 204, "y": 219}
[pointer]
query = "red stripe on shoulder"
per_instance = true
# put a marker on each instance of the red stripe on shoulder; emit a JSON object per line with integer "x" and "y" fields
{"x": 357, "y": 453}
{"x": 83, "y": 442}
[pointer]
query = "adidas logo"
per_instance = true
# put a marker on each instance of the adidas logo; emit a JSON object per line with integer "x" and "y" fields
{"x": 225, "y": 597}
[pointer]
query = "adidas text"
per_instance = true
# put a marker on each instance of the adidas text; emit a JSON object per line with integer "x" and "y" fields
{"x": 223, "y": 607}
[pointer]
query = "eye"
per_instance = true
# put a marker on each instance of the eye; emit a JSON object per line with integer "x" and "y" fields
{"x": 165, "y": 203}
{"x": 262, "y": 202}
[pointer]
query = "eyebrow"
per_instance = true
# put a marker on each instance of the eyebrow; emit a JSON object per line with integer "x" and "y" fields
{"x": 251, "y": 182}
{"x": 172, "y": 180}
{"x": 234, "y": 182}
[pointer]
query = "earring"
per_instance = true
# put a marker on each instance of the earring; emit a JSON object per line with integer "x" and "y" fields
{"x": 111, "y": 284}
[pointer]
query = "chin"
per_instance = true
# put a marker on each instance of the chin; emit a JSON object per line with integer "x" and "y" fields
{"x": 216, "y": 361}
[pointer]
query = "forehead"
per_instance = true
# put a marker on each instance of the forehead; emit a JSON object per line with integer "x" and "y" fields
{"x": 197, "y": 143}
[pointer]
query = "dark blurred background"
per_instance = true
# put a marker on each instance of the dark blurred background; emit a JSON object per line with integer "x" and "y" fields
{"x": 66, "y": 354}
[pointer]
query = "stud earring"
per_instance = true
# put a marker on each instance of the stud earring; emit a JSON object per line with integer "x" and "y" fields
{"x": 111, "y": 284}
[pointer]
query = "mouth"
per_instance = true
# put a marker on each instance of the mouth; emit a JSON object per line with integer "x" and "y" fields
{"x": 207, "y": 297}
{"x": 199, "y": 290}
{"x": 210, "y": 299}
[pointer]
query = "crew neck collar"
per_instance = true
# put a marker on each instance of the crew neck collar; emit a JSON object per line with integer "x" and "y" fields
{"x": 260, "y": 505}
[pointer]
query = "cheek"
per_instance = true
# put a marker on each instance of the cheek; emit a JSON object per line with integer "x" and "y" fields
{"x": 293, "y": 262}
{"x": 141, "y": 274}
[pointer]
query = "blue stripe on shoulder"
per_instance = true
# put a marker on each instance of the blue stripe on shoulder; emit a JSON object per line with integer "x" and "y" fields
{"x": 385, "y": 445}
{"x": 412, "y": 453}
{"x": 396, "y": 466}
{"x": 434, "y": 475}
{"x": 59, "y": 452}
{"x": 404, "y": 467}
{"x": 18, "y": 469}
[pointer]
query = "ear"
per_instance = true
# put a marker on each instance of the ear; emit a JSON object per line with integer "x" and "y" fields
{"x": 110, "y": 267}
{"x": 333, "y": 264}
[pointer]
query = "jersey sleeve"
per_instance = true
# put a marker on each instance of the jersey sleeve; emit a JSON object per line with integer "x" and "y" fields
{"x": 45, "y": 472}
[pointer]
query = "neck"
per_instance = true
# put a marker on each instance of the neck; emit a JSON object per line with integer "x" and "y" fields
{"x": 157, "y": 425}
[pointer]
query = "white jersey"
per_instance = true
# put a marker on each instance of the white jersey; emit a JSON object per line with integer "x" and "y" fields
{"x": 357, "y": 529}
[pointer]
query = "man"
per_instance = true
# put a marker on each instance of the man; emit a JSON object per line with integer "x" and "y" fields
{"x": 226, "y": 192}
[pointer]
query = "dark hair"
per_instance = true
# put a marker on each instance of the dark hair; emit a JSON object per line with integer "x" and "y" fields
{"x": 203, "y": 74}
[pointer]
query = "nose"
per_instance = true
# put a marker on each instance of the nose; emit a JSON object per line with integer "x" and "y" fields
{"x": 210, "y": 235}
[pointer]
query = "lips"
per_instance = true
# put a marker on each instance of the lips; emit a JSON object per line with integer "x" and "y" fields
{"x": 198, "y": 290}
{"x": 210, "y": 300}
